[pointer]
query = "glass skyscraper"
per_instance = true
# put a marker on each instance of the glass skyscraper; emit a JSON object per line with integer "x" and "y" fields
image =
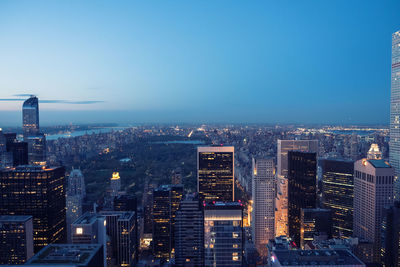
{"x": 30, "y": 116}
{"x": 215, "y": 173}
{"x": 394, "y": 145}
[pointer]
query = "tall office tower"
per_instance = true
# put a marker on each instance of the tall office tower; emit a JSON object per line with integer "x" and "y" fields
{"x": 263, "y": 195}
{"x": 189, "y": 227}
{"x": 315, "y": 223}
{"x": 39, "y": 192}
{"x": 223, "y": 234}
{"x": 394, "y": 144}
{"x": 166, "y": 201}
{"x": 90, "y": 228}
{"x": 75, "y": 194}
{"x": 30, "y": 127}
{"x": 30, "y": 116}
{"x": 148, "y": 208}
{"x": 115, "y": 184}
{"x": 16, "y": 239}
{"x": 215, "y": 173}
{"x": 302, "y": 172}
{"x": 338, "y": 194}
{"x": 391, "y": 236}
{"x": 79, "y": 255}
{"x": 373, "y": 190}
{"x": 177, "y": 176}
{"x": 281, "y": 201}
{"x": 121, "y": 227}
{"x": 19, "y": 151}
{"x": 6, "y": 159}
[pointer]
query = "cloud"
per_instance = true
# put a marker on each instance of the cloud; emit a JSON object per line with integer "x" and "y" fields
{"x": 56, "y": 101}
{"x": 24, "y": 95}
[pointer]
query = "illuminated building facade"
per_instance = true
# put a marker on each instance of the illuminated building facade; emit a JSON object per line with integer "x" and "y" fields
{"x": 373, "y": 190}
{"x": 302, "y": 188}
{"x": 215, "y": 173}
{"x": 90, "y": 228}
{"x": 16, "y": 239}
{"x": 121, "y": 227}
{"x": 281, "y": 201}
{"x": 39, "y": 192}
{"x": 189, "y": 227}
{"x": 263, "y": 194}
{"x": 223, "y": 234}
{"x": 166, "y": 200}
{"x": 115, "y": 184}
{"x": 315, "y": 222}
{"x": 75, "y": 194}
{"x": 177, "y": 176}
{"x": 394, "y": 144}
{"x": 338, "y": 194}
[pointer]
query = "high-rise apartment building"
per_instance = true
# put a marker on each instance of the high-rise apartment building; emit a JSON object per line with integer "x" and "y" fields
{"x": 373, "y": 190}
{"x": 215, "y": 173}
{"x": 338, "y": 194}
{"x": 39, "y": 192}
{"x": 302, "y": 172}
{"x": 90, "y": 228}
{"x": 166, "y": 200}
{"x": 189, "y": 227}
{"x": 281, "y": 201}
{"x": 121, "y": 227}
{"x": 75, "y": 194}
{"x": 16, "y": 239}
{"x": 263, "y": 195}
{"x": 394, "y": 145}
{"x": 223, "y": 234}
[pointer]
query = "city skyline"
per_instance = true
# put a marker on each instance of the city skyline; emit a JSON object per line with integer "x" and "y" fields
{"x": 209, "y": 62}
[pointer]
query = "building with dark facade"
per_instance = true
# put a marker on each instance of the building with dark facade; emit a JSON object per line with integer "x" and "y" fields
{"x": 338, "y": 194}
{"x": 79, "y": 255}
{"x": 223, "y": 234}
{"x": 215, "y": 173}
{"x": 39, "y": 192}
{"x": 391, "y": 236}
{"x": 315, "y": 222}
{"x": 189, "y": 227}
{"x": 302, "y": 180}
{"x": 16, "y": 239}
{"x": 166, "y": 200}
{"x": 121, "y": 227}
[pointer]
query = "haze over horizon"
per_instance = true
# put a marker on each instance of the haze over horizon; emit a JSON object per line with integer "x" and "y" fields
{"x": 259, "y": 62}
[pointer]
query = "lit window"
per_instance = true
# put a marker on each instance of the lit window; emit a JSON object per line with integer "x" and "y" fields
{"x": 79, "y": 230}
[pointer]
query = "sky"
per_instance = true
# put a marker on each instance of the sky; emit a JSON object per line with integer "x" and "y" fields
{"x": 198, "y": 61}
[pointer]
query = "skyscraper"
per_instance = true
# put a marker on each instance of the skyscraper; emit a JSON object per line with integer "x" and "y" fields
{"x": 394, "y": 145}
{"x": 189, "y": 227}
{"x": 166, "y": 201}
{"x": 281, "y": 201}
{"x": 315, "y": 222}
{"x": 115, "y": 184}
{"x": 338, "y": 194}
{"x": 30, "y": 116}
{"x": 373, "y": 190}
{"x": 16, "y": 239}
{"x": 75, "y": 195}
{"x": 223, "y": 234}
{"x": 39, "y": 192}
{"x": 263, "y": 195}
{"x": 30, "y": 128}
{"x": 215, "y": 173}
{"x": 391, "y": 236}
{"x": 302, "y": 171}
{"x": 121, "y": 227}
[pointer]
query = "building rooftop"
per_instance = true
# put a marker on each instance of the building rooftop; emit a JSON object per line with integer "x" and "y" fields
{"x": 379, "y": 163}
{"x": 87, "y": 218}
{"x": 223, "y": 205}
{"x": 315, "y": 257}
{"x": 15, "y": 218}
{"x": 79, "y": 254}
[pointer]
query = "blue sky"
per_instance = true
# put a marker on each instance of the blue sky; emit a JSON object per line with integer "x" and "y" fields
{"x": 191, "y": 61}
